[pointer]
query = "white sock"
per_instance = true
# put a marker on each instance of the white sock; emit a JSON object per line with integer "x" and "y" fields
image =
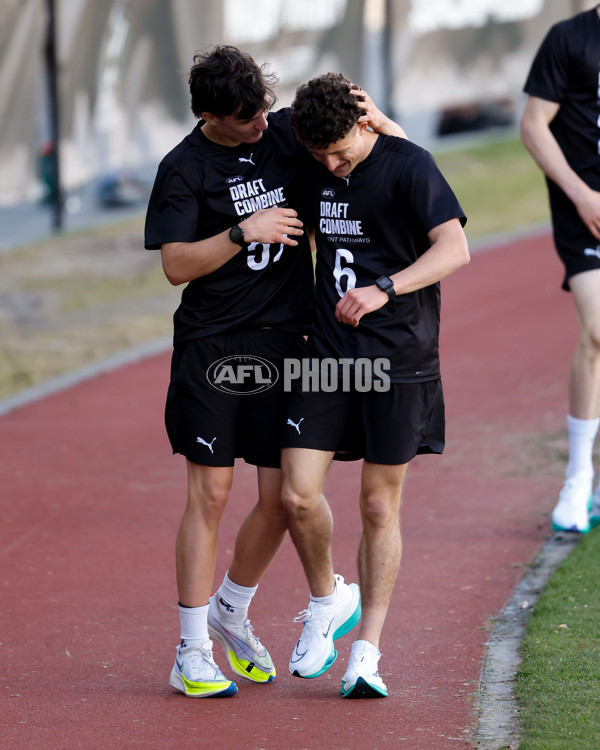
{"x": 194, "y": 625}
{"x": 235, "y": 598}
{"x": 582, "y": 433}
{"x": 325, "y": 599}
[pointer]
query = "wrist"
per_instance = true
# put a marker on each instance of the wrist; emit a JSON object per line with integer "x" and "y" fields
{"x": 387, "y": 286}
{"x": 238, "y": 236}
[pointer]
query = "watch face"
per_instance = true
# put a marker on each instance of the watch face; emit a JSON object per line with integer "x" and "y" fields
{"x": 237, "y": 235}
{"x": 386, "y": 285}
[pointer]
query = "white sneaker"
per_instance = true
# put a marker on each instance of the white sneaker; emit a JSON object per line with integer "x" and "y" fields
{"x": 196, "y": 675}
{"x": 245, "y": 653}
{"x": 322, "y": 624}
{"x": 362, "y": 679}
{"x": 595, "y": 511}
{"x": 571, "y": 511}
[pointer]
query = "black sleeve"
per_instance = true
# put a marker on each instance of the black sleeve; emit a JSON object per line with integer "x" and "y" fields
{"x": 431, "y": 198}
{"x": 173, "y": 210}
{"x": 549, "y": 74}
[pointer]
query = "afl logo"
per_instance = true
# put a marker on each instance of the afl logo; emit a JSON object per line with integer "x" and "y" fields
{"x": 233, "y": 180}
{"x": 328, "y": 193}
{"x": 242, "y": 375}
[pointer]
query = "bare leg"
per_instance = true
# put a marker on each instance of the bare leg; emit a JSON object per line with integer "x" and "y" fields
{"x": 584, "y": 381}
{"x": 196, "y": 543}
{"x": 380, "y": 546}
{"x": 262, "y": 533}
{"x": 309, "y": 515}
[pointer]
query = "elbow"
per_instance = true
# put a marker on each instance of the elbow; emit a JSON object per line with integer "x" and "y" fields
{"x": 462, "y": 254}
{"x": 172, "y": 271}
{"x": 174, "y": 281}
{"x": 526, "y": 131}
{"x": 174, "y": 278}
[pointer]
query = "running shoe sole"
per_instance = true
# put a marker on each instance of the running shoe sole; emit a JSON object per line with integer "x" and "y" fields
{"x": 363, "y": 689}
{"x": 220, "y": 689}
{"x": 571, "y": 530}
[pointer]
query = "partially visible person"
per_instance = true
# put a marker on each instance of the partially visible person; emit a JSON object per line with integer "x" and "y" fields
{"x": 388, "y": 228}
{"x": 560, "y": 128}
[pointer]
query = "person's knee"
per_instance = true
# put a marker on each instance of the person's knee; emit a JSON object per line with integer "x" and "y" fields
{"x": 297, "y": 499}
{"x": 208, "y": 500}
{"x": 589, "y": 340}
{"x": 379, "y": 510}
{"x": 594, "y": 338}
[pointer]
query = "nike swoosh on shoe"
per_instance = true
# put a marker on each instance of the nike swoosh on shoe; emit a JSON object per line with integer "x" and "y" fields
{"x": 300, "y": 656}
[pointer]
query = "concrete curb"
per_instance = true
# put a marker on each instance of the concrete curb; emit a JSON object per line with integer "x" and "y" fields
{"x": 499, "y": 727}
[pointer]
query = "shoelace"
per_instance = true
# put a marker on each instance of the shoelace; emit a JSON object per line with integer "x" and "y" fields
{"x": 309, "y": 615}
{"x": 305, "y": 616}
{"x": 251, "y": 637}
{"x": 199, "y": 657}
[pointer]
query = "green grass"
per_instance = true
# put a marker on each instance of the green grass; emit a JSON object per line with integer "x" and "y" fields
{"x": 498, "y": 185}
{"x": 558, "y": 685}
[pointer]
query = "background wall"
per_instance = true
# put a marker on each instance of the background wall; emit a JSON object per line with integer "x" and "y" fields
{"x": 438, "y": 66}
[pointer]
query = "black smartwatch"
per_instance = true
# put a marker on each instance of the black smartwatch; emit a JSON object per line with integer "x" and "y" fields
{"x": 236, "y": 234}
{"x": 386, "y": 285}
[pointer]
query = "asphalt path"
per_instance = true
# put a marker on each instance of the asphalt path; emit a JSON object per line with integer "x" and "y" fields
{"x": 90, "y": 500}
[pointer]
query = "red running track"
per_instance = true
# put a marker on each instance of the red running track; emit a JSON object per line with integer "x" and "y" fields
{"x": 91, "y": 498}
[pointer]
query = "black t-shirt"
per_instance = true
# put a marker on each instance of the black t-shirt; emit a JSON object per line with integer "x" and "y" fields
{"x": 202, "y": 189}
{"x": 371, "y": 224}
{"x": 566, "y": 70}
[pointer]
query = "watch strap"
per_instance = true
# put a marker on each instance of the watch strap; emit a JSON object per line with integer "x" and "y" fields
{"x": 386, "y": 285}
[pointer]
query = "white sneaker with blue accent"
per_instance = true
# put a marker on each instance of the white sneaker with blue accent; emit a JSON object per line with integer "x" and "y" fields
{"x": 571, "y": 511}
{"x": 362, "y": 679}
{"x": 196, "y": 675}
{"x": 322, "y": 624}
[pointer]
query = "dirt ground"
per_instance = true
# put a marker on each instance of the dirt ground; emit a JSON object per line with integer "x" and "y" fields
{"x": 78, "y": 298}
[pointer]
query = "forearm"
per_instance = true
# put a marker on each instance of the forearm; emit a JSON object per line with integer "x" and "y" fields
{"x": 374, "y": 117}
{"x": 447, "y": 254}
{"x": 386, "y": 126}
{"x": 185, "y": 261}
{"x": 547, "y": 154}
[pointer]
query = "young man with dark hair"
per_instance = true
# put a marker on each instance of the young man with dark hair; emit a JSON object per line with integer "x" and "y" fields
{"x": 223, "y": 213}
{"x": 388, "y": 228}
{"x": 560, "y": 127}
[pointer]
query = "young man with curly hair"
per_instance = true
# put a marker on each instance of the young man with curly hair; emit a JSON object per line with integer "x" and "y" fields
{"x": 388, "y": 228}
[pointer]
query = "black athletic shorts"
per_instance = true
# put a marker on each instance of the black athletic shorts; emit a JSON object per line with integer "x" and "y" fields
{"x": 389, "y": 427}
{"x": 226, "y": 398}
{"x": 577, "y": 248}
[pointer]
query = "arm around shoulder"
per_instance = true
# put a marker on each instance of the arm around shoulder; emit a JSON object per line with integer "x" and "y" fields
{"x": 375, "y": 118}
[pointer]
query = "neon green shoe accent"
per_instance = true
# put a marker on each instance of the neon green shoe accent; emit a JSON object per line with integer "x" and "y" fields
{"x": 248, "y": 669}
{"x": 208, "y": 689}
